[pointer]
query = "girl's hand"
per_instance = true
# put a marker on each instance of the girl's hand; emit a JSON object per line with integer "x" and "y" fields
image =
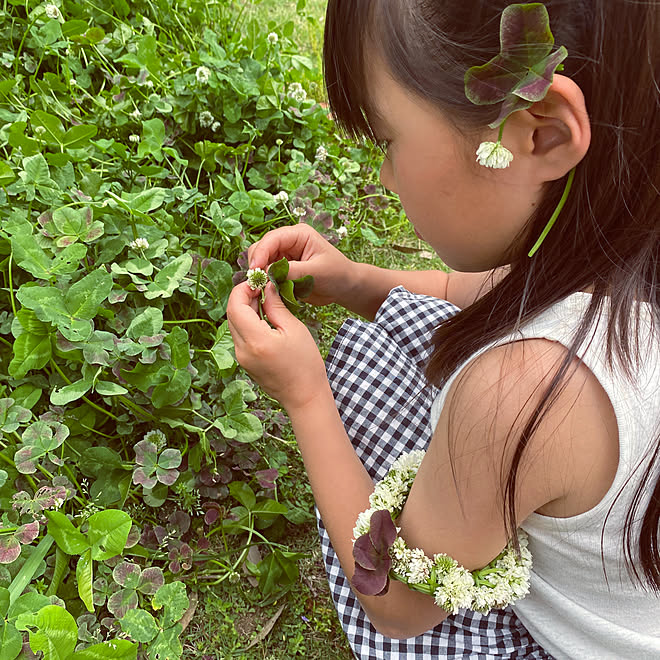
{"x": 308, "y": 253}
{"x": 283, "y": 358}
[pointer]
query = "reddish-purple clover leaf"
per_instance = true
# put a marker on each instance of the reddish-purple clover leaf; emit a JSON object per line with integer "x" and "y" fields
{"x": 10, "y": 549}
{"x": 266, "y": 478}
{"x": 27, "y": 533}
{"x": 522, "y": 72}
{"x": 372, "y": 558}
{"x": 151, "y": 580}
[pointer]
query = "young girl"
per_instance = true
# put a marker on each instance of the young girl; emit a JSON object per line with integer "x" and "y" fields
{"x": 543, "y": 405}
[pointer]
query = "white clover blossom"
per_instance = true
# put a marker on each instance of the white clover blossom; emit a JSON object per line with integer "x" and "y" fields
{"x": 136, "y": 114}
{"x": 139, "y": 244}
{"x": 155, "y": 436}
{"x": 296, "y": 92}
{"x": 53, "y": 11}
{"x": 299, "y": 211}
{"x": 206, "y": 119}
{"x": 494, "y": 155}
{"x": 455, "y": 590}
{"x": 215, "y": 126}
{"x": 279, "y": 142}
{"x": 133, "y": 138}
{"x": 257, "y": 279}
{"x": 281, "y": 197}
{"x": 342, "y": 232}
{"x": 149, "y": 83}
{"x": 203, "y": 73}
{"x": 321, "y": 154}
{"x": 272, "y": 38}
{"x": 40, "y": 130}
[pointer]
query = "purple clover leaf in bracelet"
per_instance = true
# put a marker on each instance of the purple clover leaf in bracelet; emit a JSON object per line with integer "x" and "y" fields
{"x": 519, "y": 76}
{"x": 371, "y": 552}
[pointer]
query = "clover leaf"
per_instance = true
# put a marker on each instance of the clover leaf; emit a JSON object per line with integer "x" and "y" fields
{"x": 289, "y": 290}
{"x": 522, "y": 72}
{"x": 371, "y": 552}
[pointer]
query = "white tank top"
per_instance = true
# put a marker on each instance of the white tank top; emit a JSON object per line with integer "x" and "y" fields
{"x": 572, "y": 611}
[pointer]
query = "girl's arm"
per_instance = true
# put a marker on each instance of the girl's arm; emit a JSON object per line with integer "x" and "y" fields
{"x": 372, "y": 284}
{"x": 360, "y": 288}
{"x": 455, "y": 503}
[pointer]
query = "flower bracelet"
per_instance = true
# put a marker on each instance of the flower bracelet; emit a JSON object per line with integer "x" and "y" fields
{"x": 380, "y": 554}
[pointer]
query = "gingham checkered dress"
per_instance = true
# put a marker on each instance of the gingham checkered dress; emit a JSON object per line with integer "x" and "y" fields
{"x": 376, "y": 374}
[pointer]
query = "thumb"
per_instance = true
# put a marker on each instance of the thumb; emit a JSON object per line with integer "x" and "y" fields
{"x": 298, "y": 269}
{"x": 275, "y": 309}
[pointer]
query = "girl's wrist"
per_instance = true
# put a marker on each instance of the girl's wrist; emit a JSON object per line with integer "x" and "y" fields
{"x": 310, "y": 403}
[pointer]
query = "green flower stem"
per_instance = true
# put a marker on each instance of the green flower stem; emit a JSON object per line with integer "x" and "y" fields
{"x": 138, "y": 409}
{"x": 555, "y": 215}
{"x": 11, "y": 286}
{"x": 499, "y": 136}
{"x": 190, "y": 321}
{"x": 20, "y": 46}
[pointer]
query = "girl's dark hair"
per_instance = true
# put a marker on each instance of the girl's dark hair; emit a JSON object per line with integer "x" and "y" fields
{"x": 608, "y": 234}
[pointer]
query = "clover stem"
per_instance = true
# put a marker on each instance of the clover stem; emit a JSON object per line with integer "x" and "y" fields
{"x": 499, "y": 136}
{"x": 555, "y": 215}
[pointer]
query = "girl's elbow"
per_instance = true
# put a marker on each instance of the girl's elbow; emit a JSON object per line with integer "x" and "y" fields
{"x": 404, "y": 628}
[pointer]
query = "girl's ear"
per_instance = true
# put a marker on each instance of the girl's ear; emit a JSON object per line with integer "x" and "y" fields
{"x": 554, "y": 134}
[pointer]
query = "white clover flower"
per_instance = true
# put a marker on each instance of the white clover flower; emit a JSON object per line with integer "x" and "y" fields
{"x": 455, "y": 591}
{"x": 215, "y": 126}
{"x": 156, "y": 436}
{"x": 52, "y": 11}
{"x": 134, "y": 138}
{"x": 136, "y": 114}
{"x": 342, "y": 232}
{"x": 73, "y": 82}
{"x": 149, "y": 84}
{"x": 281, "y": 197}
{"x": 418, "y": 567}
{"x": 279, "y": 142}
{"x": 257, "y": 279}
{"x": 321, "y": 154}
{"x": 203, "y": 74}
{"x": 272, "y": 38}
{"x": 494, "y": 155}
{"x": 40, "y": 130}
{"x": 140, "y": 244}
{"x": 206, "y": 119}
{"x": 296, "y": 92}
{"x": 299, "y": 211}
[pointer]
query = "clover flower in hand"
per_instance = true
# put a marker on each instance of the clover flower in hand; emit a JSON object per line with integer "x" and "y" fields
{"x": 257, "y": 279}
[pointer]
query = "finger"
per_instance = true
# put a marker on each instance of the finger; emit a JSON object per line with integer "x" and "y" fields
{"x": 287, "y": 242}
{"x": 242, "y": 311}
{"x": 275, "y": 309}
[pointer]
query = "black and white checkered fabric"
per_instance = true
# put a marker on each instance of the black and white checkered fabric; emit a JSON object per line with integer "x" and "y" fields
{"x": 376, "y": 374}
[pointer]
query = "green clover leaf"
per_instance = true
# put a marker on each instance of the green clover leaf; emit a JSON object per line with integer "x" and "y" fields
{"x": 522, "y": 72}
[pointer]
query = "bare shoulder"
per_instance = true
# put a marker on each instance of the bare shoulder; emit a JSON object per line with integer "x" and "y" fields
{"x": 567, "y": 466}
{"x": 465, "y": 288}
{"x": 572, "y": 452}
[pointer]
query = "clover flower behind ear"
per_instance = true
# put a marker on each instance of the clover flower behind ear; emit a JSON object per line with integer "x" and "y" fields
{"x": 518, "y": 76}
{"x": 494, "y": 155}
